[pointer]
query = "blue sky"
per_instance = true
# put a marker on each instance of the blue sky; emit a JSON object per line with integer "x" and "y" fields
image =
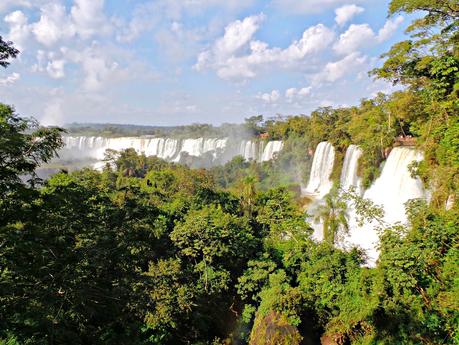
{"x": 169, "y": 62}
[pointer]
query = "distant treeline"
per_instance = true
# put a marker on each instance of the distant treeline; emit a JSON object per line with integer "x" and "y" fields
{"x": 189, "y": 131}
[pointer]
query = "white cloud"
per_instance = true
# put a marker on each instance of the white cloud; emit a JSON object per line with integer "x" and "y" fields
{"x": 305, "y": 91}
{"x": 89, "y": 18}
{"x": 55, "y": 68}
{"x": 8, "y": 4}
{"x": 142, "y": 20}
{"x": 97, "y": 69}
{"x": 237, "y": 35}
{"x": 334, "y": 71}
{"x": 11, "y": 79}
{"x": 230, "y": 4}
{"x": 149, "y": 15}
{"x": 362, "y": 35}
{"x": 53, "y": 26}
{"x": 294, "y": 93}
{"x": 290, "y": 93}
{"x": 355, "y": 37}
{"x": 50, "y": 63}
{"x": 346, "y": 13}
{"x": 309, "y": 6}
{"x": 271, "y": 97}
{"x": 389, "y": 29}
{"x": 238, "y": 56}
{"x": 19, "y": 28}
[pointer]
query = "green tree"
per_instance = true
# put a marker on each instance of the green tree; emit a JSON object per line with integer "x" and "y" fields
{"x": 254, "y": 125}
{"x": 7, "y": 52}
{"x": 24, "y": 145}
{"x": 217, "y": 243}
{"x": 333, "y": 215}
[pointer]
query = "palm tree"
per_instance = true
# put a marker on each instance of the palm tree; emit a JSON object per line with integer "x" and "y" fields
{"x": 248, "y": 194}
{"x": 333, "y": 215}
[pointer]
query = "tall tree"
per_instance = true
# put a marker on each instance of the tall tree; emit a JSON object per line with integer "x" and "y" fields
{"x": 24, "y": 145}
{"x": 7, "y": 51}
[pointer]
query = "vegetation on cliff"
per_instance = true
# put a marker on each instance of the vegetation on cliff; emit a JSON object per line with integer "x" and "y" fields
{"x": 149, "y": 252}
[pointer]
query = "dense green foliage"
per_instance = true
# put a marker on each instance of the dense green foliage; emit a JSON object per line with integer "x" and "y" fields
{"x": 7, "y": 51}
{"x": 149, "y": 252}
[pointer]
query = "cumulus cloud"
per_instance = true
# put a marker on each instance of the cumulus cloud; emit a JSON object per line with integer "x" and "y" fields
{"x": 56, "y": 24}
{"x": 271, "y": 97}
{"x": 346, "y": 13}
{"x": 53, "y": 25}
{"x": 362, "y": 35}
{"x": 55, "y": 68}
{"x": 355, "y": 37}
{"x": 389, "y": 29}
{"x": 149, "y": 15}
{"x": 89, "y": 18}
{"x": 236, "y": 36}
{"x": 50, "y": 63}
{"x": 8, "y": 4}
{"x": 294, "y": 93}
{"x": 11, "y": 79}
{"x": 77, "y": 43}
{"x": 334, "y": 71}
{"x": 98, "y": 69}
{"x": 237, "y": 55}
{"x": 19, "y": 28}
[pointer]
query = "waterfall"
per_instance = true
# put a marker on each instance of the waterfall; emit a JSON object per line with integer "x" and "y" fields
{"x": 319, "y": 184}
{"x": 322, "y": 166}
{"x": 249, "y": 150}
{"x": 169, "y": 150}
{"x": 201, "y": 146}
{"x": 215, "y": 145}
{"x": 349, "y": 177}
{"x": 395, "y": 186}
{"x": 221, "y": 149}
{"x": 271, "y": 149}
{"x": 391, "y": 190}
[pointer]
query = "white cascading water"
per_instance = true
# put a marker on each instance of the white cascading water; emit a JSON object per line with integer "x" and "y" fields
{"x": 349, "y": 174}
{"x": 322, "y": 166}
{"x": 248, "y": 150}
{"x": 198, "y": 147}
{"x": 170, "y": 149}
{"x": 215, "y": 145}
{"x": 391, "y": 190}
{"x": 258, "y": 151}
{"x": 271, "y": 149}
{"x": 319, "y": 184}
{"x": 166, "y": 148}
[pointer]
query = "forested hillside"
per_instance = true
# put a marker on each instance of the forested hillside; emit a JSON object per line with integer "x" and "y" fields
{"x": 151, "y": 252}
